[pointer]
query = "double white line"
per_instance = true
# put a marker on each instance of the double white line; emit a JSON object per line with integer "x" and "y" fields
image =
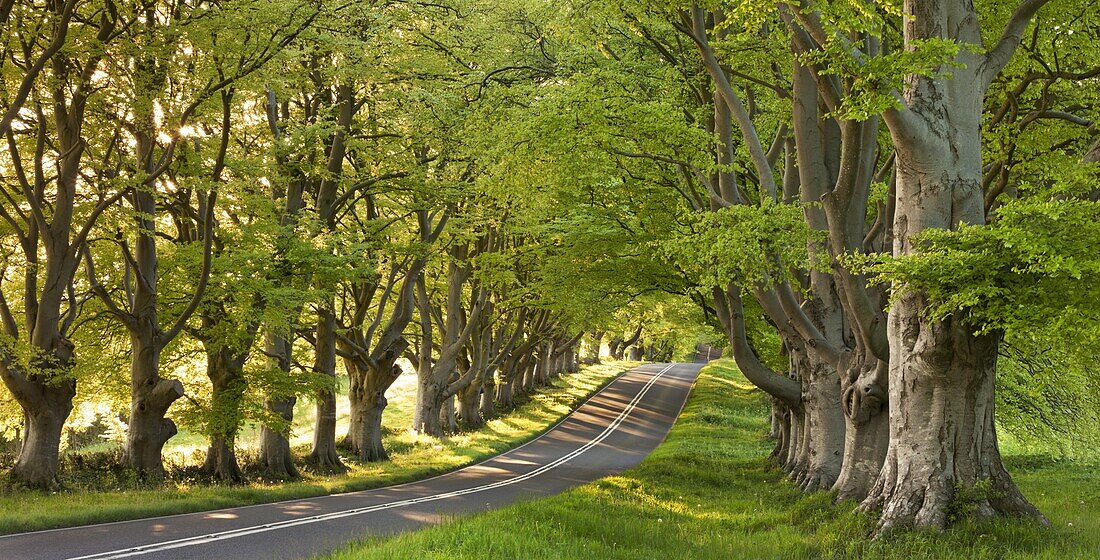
{"x": 244, "y": 531}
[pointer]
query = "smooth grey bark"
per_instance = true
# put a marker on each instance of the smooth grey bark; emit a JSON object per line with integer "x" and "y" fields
{"x": 942, "y": 375}
{"x": 833, "y": 168}
{"x": 824, "y": 425}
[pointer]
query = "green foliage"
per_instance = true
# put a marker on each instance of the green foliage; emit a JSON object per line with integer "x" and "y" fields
{"x": 708, "y": 492}
{"x": 98, "y": 489}
{"x": 875, "y": 81}
{"x": 1028, "y": 276}
{"x": 742, "y": 242}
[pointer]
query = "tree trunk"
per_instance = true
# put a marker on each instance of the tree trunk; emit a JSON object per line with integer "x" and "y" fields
{"x": 795, "y": 439}
{"x": 529, "y": 378}
{"x": 369, "y": 447}
{"x": 150, "y": 397}
{"x": 488, "y": 394}
{"x": 358, "y": 397}
{"x": 505, "y": 395}
{"x": 614, "y": 348}
{"x": 324, "y": 457}
{"x": 597, "y": 346}
{"x": 447, "y": 415}
{"x": 426, "y": 420}
{"x": 276, "y": 458}
{"x": 824, "y": 425}
{"x": 469, "y": 403}
{"x": 781, "y": 431}
{"x": 221, "y": 461}
{"x": 488, "y": 403}
{"x": 867, "y": 425}
{"x": 942, "y": 434}
{"x": 543, "y": 367}
{"x": 228, "y": 383}
{"x": 365, "y": 430}
{"x": 36, "y": 465}
{"x": 367, "y": 396}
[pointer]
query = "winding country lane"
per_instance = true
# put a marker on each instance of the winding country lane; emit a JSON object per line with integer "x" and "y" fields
{"x": 612, "y": 431}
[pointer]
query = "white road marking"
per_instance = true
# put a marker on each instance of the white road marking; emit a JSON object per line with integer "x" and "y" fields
{"x": 244, "y": 531}
{"x": 322, "y": 497}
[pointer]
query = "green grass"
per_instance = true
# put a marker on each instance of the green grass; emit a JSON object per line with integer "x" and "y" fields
{"x": 412, "y": 457}
{"x": 707, "y": 492}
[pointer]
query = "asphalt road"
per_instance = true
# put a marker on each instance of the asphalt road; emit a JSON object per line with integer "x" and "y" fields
{"x": 612, "y": 431}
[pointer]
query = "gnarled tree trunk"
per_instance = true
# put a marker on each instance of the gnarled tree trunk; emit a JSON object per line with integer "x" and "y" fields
{"x": 368, "y": 400}
{"x": 942, "y": 432}
{"x": 866, "y": 424}
{"x": 37, "y": 463}
{"x": 150, "y": 397}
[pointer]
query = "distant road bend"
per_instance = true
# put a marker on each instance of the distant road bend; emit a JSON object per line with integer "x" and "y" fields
{"x": 611, "y": 432}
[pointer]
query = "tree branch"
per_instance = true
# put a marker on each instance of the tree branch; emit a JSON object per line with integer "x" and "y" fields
{"x": 997, "y": 57}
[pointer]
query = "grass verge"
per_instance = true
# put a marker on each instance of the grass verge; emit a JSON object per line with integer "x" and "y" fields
{"x": 707, "y": 492}
{"x": 412, "y": 457}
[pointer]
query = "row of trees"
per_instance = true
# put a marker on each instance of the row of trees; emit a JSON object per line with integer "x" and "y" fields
{"x": 876, "y": 203}
{"x": 245, "y": 199}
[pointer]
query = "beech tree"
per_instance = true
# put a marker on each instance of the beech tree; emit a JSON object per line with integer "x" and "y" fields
{"x": 885, "y": 209}
{"x": 48, "y": 210}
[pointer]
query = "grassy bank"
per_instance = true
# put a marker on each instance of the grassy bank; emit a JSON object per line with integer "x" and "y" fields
{"x": 412, "y": 457}
{"x": 708, "y": 493}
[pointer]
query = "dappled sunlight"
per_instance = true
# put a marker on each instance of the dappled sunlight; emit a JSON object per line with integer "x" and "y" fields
{"x": 708, "y": 492}
{"x": 412, "y": 456}
{"x": 220, "y": 515}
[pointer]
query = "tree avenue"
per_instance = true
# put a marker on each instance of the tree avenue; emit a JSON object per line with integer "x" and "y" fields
{"x": 887, "y": 211}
